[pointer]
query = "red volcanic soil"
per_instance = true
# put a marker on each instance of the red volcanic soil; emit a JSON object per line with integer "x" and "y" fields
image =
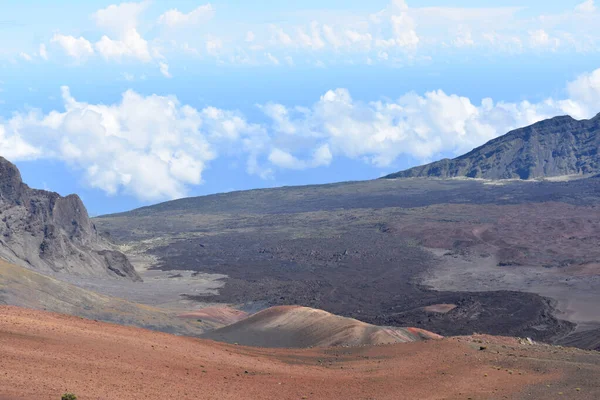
{"x": 43, "y": 355}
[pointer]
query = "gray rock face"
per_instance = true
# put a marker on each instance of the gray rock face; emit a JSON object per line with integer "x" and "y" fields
{"x": 46, "y": 232}
{"x": 555, "y": 147}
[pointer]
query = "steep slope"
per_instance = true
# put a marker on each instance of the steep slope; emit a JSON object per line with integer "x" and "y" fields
{"x": 555, "y": 147}
{"x": 25, "y": 288}
{"x": 301, "y": 327}
{"x": 46, "y": 232}
{"x": 44, "y": 355}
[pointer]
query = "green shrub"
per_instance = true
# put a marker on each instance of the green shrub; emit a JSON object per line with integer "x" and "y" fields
{"x": 68, "y": 396}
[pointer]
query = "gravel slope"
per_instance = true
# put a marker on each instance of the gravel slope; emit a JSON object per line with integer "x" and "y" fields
{"x": 43, "y": 355}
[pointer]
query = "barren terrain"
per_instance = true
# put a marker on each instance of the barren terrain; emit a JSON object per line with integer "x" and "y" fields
{"x": 301, "y": 327}
{"x": 44, "y": 355}
{"x": 512, "y": 258}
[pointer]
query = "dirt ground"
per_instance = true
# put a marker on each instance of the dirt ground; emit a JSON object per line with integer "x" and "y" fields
{"x": 44, "y": 355}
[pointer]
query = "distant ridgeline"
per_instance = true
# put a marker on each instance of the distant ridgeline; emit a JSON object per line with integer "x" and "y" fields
{"x": 555, "y": 147}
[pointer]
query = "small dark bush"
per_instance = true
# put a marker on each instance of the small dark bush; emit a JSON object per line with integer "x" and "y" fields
{"x": 68, "y": 396}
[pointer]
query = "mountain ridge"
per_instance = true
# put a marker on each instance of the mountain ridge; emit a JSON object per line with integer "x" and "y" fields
{"x": 47, "y": 232}
{"x": 553, "y": 147}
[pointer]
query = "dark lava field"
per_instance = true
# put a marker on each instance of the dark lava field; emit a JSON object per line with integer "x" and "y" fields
{"x": 509, "y": 255}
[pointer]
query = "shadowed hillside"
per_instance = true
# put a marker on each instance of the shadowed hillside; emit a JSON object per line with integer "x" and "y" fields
{"x": 46, "y": 232}
{"x": 556, "y": 147}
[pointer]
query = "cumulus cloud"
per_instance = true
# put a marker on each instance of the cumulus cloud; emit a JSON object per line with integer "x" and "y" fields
{"x": 420, "y": 126}
{"x": 403, "y": 25}
{"x": 213, "y": 46}
{"x": 120, "y": 18}
{"x": 540, "y": 38}
{"x": 280, "y": 37}
{"x": 392, "y": 27}
{"x": 175, "y": 18}
{"x": 125, "y": 41}
{"x": 464, "y": 37}
{"x": 272, "y": 59}
{"x": 586, "y": 7}
{"x": 26, "y": 56}
{"x": 164, "y": 69}
{"x": 77, "y": 48}
{"x": 13, "y": 147}
{"x": 397, "y": 33}
{"x": 132, "y": 44}
{"x": 584, "y": 95}
{"x": 321, "y": 157}
{"x": 154, "y": 147}
{"x": 151, "y": 147}
{"x": 43, "y": 52}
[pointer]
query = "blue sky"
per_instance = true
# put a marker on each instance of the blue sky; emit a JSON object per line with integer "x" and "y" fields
{"x": 129, "y": 104}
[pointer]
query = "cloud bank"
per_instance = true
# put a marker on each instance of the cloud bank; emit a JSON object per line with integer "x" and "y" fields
{"x": 155, "y": 148}
{"x": 398, "y": 33}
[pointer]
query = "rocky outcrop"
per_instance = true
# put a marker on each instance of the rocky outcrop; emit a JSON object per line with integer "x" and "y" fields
{"x": 46, "y": 232}
{"x": 555, "y": 147}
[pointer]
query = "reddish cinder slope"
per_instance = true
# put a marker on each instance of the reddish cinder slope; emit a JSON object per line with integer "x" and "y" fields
{"x": 301, "y": 327}
{"x": 43, "y": 355}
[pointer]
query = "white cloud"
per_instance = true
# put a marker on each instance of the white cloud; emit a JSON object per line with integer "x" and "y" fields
{"x": 149, "y": 146}
{"x": 213, "y": 46}
{"x": 464, "y": 37}
{"x": 13, "y": 147}
{"x": 396, "y": 34}
{"x": 131, "y": 45}
{"x": 587, "y": 7}
{"x": 420, "y": 126}
{"x": 359, "y": 40}
{"x": 540, "y": 38}
{"x": 26, "y": 56}
{"x": 274, "y": 60}
{"x": 77, "y": 48}
{"x": 312, "y": 39}
{"x": 164, "y": 69}
{"x": 331, "y": 37}
{"x": 43, "y": 52}
{"x": 584, "y": 95}
{"x": 175, "y": 18}
{"x": 120, "y": 18}
{"x": 404, "y": 29}
{"x": 154, "y": 148}
{"x": 281, "y": 158}
{"x": 280, "y": 37}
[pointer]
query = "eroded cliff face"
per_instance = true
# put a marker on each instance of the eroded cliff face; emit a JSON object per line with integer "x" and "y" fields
{"x": 555, "y": 147}
{"x": 46, "y": 232}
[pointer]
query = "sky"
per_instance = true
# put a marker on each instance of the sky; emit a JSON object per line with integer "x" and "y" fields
{"x": 130, "y": 104}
